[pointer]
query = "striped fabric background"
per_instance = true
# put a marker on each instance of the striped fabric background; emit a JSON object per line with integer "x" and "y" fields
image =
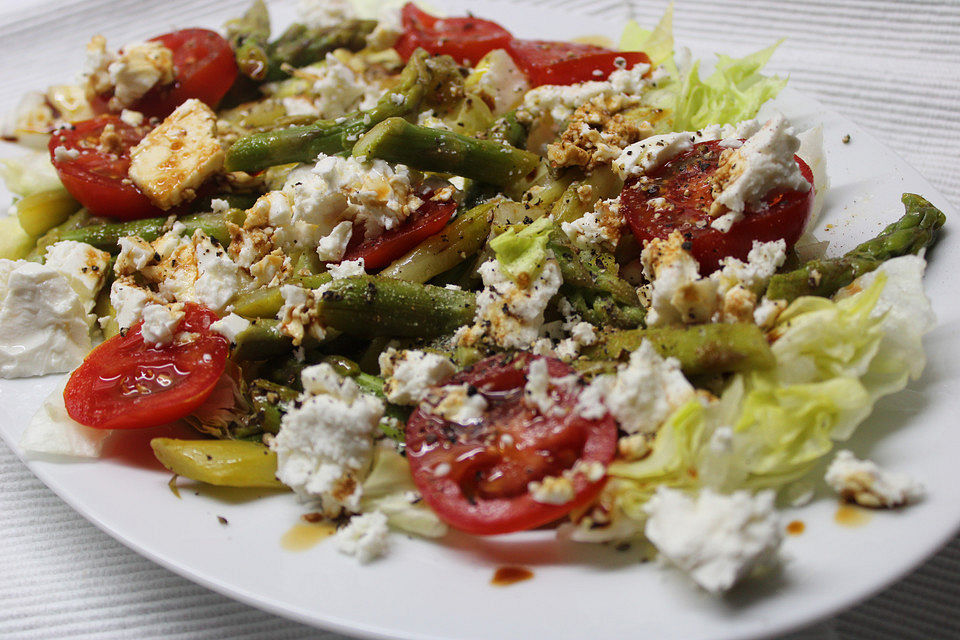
{"x": 893, "y": 66}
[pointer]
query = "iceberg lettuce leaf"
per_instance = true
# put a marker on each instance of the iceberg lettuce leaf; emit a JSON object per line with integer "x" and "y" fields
{"x": 29, "y": 174}
{"x": 657, "y": 44}
{"x": 524, "y": 251}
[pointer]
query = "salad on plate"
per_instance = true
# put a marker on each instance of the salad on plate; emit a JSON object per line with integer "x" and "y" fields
{"x": 428, "y": 275}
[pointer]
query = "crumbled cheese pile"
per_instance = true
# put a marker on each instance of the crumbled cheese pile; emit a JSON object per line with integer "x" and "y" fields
{"x": 336, "y": 90}
{"x": 366, "y": 536}
{"x": 866, "y": 484}
{"x": 325, "y": 443}
{"x": 128, "y": 75}
{"x": 409, "y": 374}
{"x": 717, "y": 539}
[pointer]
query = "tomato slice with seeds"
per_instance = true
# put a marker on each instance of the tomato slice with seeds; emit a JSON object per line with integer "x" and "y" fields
{"x": 475, "y": 477}
{"x": 126, "y": 384}
{"x": 685, "y": 185}
{"x": 428, "y": 220}
{"x": 93, "y": 166}
{"x": 565, "y": 63}
{"x": 465, "y": 39}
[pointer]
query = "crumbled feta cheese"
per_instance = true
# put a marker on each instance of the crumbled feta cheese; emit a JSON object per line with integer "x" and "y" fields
{"x": 176, "y": 157}
{"x": 52, "y": 431}
{"x": 128, "y": 301}
{"x": 299, "y": 106}
{"x": 717, "y": 539}
{"x": 62, "y": 154}
{"x": 332, "y": 246}
{"x": 219, "y": 205}
{"x": 458, "y": 403}
{"x": 325, "y": 442}
{"x": 642, "y": 394}
{"x": 135, "y": 254}
{"x": 298, "y": 315}
{"x": 767, "y": 312}
{"x": 560, "y": 101}
{"x": 762, "y": 262}
{"x": 230, "y": 327}
{"x": 159, "y": 324}
{"x": 218, "y": 277}
{"x": 764, "y": 163}
{"x": 132, "y": 118}
{"x": 84, "y": 267}
{"x": 138, "y": 68}
{"x": 366, "y": 536}
{"x": 551, "y": 490}
{"x": 409, "y": 374}
{"x": 337, "y": 90}
{"x": 634, "y": 447}
{"x": 44, "y": 326}
{"x": 598, "y": 228}
{"x": 510, "y": 315}
{"x": 347, "y": 268}
{"x": 678, "y": 294}
{"x": 318, "y": 14}
{"x": 866, "y": 484}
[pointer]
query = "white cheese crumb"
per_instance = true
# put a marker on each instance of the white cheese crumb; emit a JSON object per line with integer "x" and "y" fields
{"x": 230, "y": 327}
{"x": 409, "y": 374}
{"x": 347, "y": 268}
{"x": 62, "y": 154}
{"x": 551, "y": 490}
{"x": 678, "y": 294}
{"x": 458, "y": 403}
{"x": 159, "y": 324}
{"x": 717, "y": 539}
{"x": 366, "y": 536}
{"x": 135, "y": 254}
{"x": 866, "y": 484}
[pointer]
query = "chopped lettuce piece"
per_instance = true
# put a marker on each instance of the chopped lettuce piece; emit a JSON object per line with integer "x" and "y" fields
{"x": 390, "y": 489}
{"x": 29, "y": 174}
{"x": 15, "y": 243}
{"x": 657, "y": 44}
{"x": 523, "y": 252}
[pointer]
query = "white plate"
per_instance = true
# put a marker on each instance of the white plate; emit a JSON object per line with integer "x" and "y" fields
{"x": 442, "y": 589}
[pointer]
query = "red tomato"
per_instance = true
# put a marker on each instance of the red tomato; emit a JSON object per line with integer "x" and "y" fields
{"x": 97, "y": 177}
{"x": 428, "y": 220}
{"x": 465, "y": 39}
{"x": 685, "y": 183}
{"x": 125, "y": 384}
{"x": 475, "y": 476}
{"x": 205, "y": 69}
{"x": 565, "y": 63}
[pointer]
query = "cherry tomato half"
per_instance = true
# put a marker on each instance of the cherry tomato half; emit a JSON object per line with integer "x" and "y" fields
{"x": 565, "y": 63}
{"x": 465, "y": 39}
{"x": 126, "y": 384}
{"x": 475, "y": 476}
{"x": 93, "y": 167}
{"x": 428, "y": 220}
{"x": 685, "y": 184}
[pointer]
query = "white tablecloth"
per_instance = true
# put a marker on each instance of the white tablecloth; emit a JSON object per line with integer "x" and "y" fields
{"x": 894, "y": 67}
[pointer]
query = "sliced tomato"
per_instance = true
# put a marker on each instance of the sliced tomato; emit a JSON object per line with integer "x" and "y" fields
{"x": 476, "y": 476}
{"x": 126, "y": 384}
{"x": 465, "y": 39}
{"x": 428, "y": 220}
{"x": 685, "y": 185}
{"x": 97, "y": 175}
{"x": 204, "y": 68}
{"x": 547, "y": 62}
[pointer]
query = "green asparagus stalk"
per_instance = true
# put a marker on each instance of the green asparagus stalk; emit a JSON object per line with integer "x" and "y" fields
{"x": 588, "y": 274}
{"x": 371, "y": 306}
{"x": 582, "y": 196}
{"x": 461, "y": 238}
{"x": 263, "y": 339}
{"x": 266, "y": 302}
{"x": 603, "y": 310}
{"x": 300, "y": 45}
{"x": 396, "y": 140}
{"x": 249, "y": 35}
{"x": 106, "y": 236}
{"x": 506, "y": 130}
{"x": 917, "y": 229}
{"x": 701, "y": 349}
{"x": 304, "y": 143}
{"x": 75, "y": 221}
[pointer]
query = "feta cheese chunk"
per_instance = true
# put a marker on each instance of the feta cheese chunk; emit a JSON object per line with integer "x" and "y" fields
{"x": 866, "y": 484}
{"x": 135, "y": 254}
{"x": 764, "y": 163}
{"x": 159, "y": 324}
{"x": 560, "y": 101}
{"x": 129, "y": 74}
{"x": 458, "y": 403}
{"x": 175, "y": 158}
{"x": 43, "y": 322}
{"x": 218, "y": 277}
{"x": 325, "y": 443}
{"x": 598, "y": 228}
{"x": 409, "y": 374}
{"x": 230, "y": 327}
{"x": 84, "y": 267}
{"x": 717, "y": 539}
{"x": 366, "y": 536}
{"x": 52, "y": 431}
{"x": 643, "y": 393}
{"x": 677, "y": 294}
{"x": 347, "y": 268}
{"x": 507, "y": 314}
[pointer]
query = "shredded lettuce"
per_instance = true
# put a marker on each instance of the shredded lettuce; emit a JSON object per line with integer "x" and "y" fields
{"x": 29, "y": 174}
{"x": 524, "y": 251}
{"x": 835, "y": 359}
{"x": 657, "y": 44}
{"x": 389, "y": 488}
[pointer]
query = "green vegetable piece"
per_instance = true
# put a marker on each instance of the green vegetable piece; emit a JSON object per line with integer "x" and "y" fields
{"x": 266, "y": 302}
{"x": 42, "y": 211}
{"x": 263, "y": 339}
{"x": 225, "y": 463}
{"x": 372, "y": 306}
{"x": 522, "y": 253}
{"x": 701, "y": 349}
{"x": 106, "y": 236}
{"x": 300, "y": 45}
{"x": 15, "y": 243}
{"x": 918, "y": 228}
{"x": 249, "y": 36}
{"x": 396, "y": 140}
{"x": 304, "y": 143}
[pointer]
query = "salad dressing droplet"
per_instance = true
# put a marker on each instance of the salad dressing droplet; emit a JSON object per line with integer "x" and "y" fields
{"x": 505, "y": 576}
{"x": 796, "y": 527}
{"x": 849, "y": 515}
{"x": 304, "y": 535}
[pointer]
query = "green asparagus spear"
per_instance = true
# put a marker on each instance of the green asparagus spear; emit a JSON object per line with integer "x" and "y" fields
{"x": 249, "y": 35}
{"x": 581, "y": 196}
{"x": 701, "y": 349}
{"x": 300, "y": 45}
{"x": 106, "y": 236}
{"x": 603, "y": 310}
{"x": 263, "y": 339}
{"x": 370, "y": 306}
{"x": 590, "y": 274}
{"x": 303, "y": 144}
{"x": 396, "y": 140}
{"x": 915, "y": 230}
{"x": 266, "y": 302}
{"x": 506, "y": 130}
